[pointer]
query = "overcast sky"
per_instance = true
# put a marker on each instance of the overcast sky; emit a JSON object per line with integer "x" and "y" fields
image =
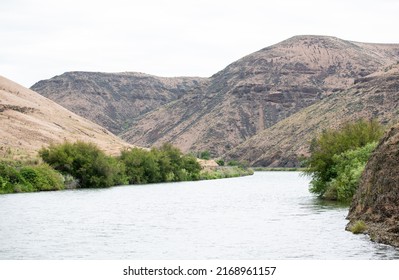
{"x": 43, "y": 38}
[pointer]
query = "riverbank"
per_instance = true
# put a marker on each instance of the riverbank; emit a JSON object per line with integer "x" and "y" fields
{"x": 222, "y": 172}
{"x": 83, "y": 165}
{"x": 296, "y": 169}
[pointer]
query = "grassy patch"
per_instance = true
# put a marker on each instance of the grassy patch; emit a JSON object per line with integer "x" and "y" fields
{"x": 358, "y": 227}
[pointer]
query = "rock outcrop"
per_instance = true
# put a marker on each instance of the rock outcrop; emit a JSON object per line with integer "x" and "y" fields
{"x": 376, "y": 201}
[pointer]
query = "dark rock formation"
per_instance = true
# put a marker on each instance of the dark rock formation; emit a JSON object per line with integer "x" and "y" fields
{"x": 376, "y": 202}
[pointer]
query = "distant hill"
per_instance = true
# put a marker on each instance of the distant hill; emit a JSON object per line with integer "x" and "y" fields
{"x": 29, "y": 121}
{"x": 223, "y": 111}
{"x": 258, "y": 91}
{"x": 114, "y": 100}
{"x": 374, "y": 96}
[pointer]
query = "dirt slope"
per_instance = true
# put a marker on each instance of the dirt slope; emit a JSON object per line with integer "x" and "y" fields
{"x": 29, "y": 121}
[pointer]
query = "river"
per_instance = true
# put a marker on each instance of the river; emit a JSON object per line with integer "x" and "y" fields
{"x": 270, "y": 215}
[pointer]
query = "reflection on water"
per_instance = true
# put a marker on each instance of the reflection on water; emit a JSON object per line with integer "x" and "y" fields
{"x": 270, "y": 215}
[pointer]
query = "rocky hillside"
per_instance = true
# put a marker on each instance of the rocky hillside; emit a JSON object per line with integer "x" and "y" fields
{"x": 376, "y": 202}
{"x": 29, "y": 121}
{"x": 220, "y": 112}
{"x": 114, "y": 100}
{"x": 374, "y": 96}
{"x": 258, "y": 91}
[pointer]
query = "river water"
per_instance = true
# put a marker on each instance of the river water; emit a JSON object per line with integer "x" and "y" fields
{"x": 270, "y": 215}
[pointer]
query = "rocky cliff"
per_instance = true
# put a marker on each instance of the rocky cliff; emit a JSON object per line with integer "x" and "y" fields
{"x": 376, "y": 201}
{"x": 29, "y": 121}
{"x": 374, "y": 96}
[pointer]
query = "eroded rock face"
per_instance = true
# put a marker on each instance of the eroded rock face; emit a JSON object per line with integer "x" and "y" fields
{"x": 376, "y": 202}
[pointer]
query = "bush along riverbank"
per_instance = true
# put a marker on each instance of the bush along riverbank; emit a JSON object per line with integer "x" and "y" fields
{"x": 84, "y": 165}
{"x": 338, "y": 158}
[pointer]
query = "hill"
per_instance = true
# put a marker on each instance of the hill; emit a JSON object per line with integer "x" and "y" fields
{"x": 220, "y": 112}
{"x": 374, "y": 96}
{"x": 114, "y": 100}
{"x": 258, "y": 91}
{"x": 29, "y": 121}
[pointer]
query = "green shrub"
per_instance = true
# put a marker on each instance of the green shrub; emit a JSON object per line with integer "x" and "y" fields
{"x": 42, "y": 178}
{"x": 141, "y": 166}
{"x": 327, "y": 162}
{"x": 85, "y": 162}
{"x": 12, "y": 180}
{"x": 17, "y": 177}
{"x": 205, "y": 155}
{"x": 349, "y": 167}
{"x": 166, "y": 164}
{"x": 233, "y": 163}
{"x": 358, "y": 227}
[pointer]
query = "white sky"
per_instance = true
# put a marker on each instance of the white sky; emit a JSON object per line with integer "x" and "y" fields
{"x": 43, "y": 38}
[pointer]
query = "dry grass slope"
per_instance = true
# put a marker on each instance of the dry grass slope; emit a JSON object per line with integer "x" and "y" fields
{"x": 29, "y": 121}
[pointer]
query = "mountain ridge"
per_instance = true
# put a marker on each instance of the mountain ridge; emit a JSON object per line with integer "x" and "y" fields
{"x": 258, "y": 91}
{"x": 248, "y": 96}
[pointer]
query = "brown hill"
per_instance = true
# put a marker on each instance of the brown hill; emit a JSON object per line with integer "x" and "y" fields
{"x": 374, "y": 96}
{"x": 376, "y": 201}
{"x": 29, "y": 121}
{"x": 258, "y": 91}
{"x": 114, "y": 100}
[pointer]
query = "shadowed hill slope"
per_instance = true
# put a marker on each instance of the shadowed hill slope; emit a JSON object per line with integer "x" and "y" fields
{"x": 114, "y": 100}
